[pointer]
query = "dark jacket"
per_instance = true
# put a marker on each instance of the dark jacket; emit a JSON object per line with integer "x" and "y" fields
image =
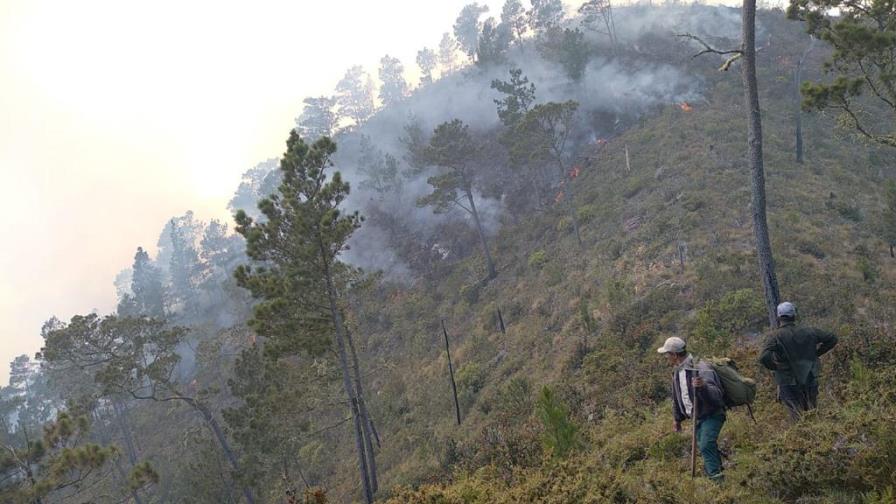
{"x": 800, "y": 346}
{"x": 710, "y": 398}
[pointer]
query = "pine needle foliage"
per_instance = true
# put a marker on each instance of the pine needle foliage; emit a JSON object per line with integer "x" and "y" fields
{"x": 301, "y": 236}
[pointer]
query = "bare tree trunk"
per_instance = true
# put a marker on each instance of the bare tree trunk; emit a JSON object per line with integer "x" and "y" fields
{"x": 798, "y": 77}
{"x": 799, "y": 117}
{"x": 492, "y": 272}
{"x": 366, "y": 421}
{"x": 124, "y": 426}
{"x": 339, "y": 336}
{"x": 216, "y": 429}
{"x": 451, "y": 373}
{"x": 754, "y": 143}
{"x": 104, "y": 438}
{"x": 628, "y": 161}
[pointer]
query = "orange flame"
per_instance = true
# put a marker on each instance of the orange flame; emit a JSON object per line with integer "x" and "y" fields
{"x": 559, "y": 197}
{"x": 685, "y": 106}
{"x": 601, "y": 141}
{"x": 575, "y": 171}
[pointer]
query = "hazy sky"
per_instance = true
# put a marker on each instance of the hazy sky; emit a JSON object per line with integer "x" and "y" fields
{"x": 117, "y": 115}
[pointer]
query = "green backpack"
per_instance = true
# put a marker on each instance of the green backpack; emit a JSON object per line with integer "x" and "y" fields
{"x": 738, "y": 390}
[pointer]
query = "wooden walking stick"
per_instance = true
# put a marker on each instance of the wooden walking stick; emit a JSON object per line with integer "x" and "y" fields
{"x": 694, "y": 435}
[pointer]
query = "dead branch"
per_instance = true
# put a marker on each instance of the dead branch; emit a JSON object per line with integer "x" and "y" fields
{"x": 733, "y": 54}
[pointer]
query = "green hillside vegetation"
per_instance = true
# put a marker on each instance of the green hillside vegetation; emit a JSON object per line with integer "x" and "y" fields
{"x": 562, "y": 395}
{"x": 585, "y": 322}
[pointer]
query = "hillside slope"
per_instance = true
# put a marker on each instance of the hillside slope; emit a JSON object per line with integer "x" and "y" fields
{"x": 586, "y": 321}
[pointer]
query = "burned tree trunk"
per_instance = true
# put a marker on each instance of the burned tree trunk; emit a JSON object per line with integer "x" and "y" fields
{"x": 451, "y": 373}
{"x": 757, "y": 170}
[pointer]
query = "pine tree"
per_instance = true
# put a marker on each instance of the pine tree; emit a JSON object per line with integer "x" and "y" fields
{"x": 427, "y": 61}
{"x": 300, "y": 282}
{"x": 183, "y": 264}
{"x": 319, "y": 117}
{"x": 453, "y": 150}
{"x": 493, "y": 43}
{"x": 467, "y": 28}
{"x": 354, "y": 95}
{"x": 146, "y": 287}
{"x": 51, "y": 466}
{"x": 513, "y": 15}
{"x": 545, "y": 14}
{"x": 863, "y": 63}
{"x": 518, "y": 93}
{"x": 256, "y": 184}
{"x": 447, "y": 50}
{"x": 394, "y": 88}
{"x": 136, "y": 357}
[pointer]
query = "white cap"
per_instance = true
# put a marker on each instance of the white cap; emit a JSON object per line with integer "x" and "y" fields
{"x": 673, "y": 345}
{"x": 786, "y": 309}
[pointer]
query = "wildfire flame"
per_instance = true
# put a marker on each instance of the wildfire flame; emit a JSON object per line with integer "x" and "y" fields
{"x": 685, "y": 106}
{"x": 600, "y": 141}
{"x": 575, "y": 171}
{"x": 559, "y": 197}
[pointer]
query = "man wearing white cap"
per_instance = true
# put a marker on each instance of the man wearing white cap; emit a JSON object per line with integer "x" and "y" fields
{"x": 792, "y": 353}
{"x": 697, "y": 379}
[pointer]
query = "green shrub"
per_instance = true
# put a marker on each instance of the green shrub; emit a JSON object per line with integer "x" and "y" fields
{"x": 719, "y": 321}
{"x": 634, "y": 185}
{"x": 869, "y": 270}
{"x": 561, "y": 435}
{"x": 471, "y": 378}
{"x": 514, "y": 399}
{"x": 538, "y": 259}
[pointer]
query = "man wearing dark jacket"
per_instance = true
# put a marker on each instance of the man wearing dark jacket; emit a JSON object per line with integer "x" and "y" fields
{"x": 792, "y": 353}
{"x": 696, "y": 379}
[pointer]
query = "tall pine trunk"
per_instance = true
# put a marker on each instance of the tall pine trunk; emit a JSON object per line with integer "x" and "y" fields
{"x": 370, "y": 433}
{"x": 339, "y": 336}
{"x": 216, "y": 429}
{"x": 492, "y": 272}
{"x": 757, "y": 170}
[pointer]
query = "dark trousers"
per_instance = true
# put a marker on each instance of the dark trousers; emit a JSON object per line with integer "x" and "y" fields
{"x": 708, "y": 431}
{"x": 799, "y": 398}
